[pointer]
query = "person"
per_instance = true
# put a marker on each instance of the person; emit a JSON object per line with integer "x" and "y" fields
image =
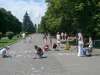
{"x": 3, "y": 51}
{"x": 50, "y": 40}
{"x": 39, "y": 51}
{"x": 45, "y": 39}
{"x": 65, "y": 36}
{"x": 23, "y": 35}
{"x": 30, "y": 39}
{"x": 80, "y": 44}
{"x": 62, "y": 36}
{"x": 90, "y": 46}
{"x": 58, "y": 39}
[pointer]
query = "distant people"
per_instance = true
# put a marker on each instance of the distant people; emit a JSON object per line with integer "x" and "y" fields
{"x": 23, "y": 35}
{"x": 62, "y": 36}
{"x": 45, "y": 39}
{"x": 30, "y": 39}
{"x": 65, "y": 36}
{"x": 80, "y": 44}
{"x": 58, "y": 39}
{"x": 50, "y": 40}
{"x": 88, "y": 50}
{"x": 90, "y": 44}
{"x": 39, "y": 52}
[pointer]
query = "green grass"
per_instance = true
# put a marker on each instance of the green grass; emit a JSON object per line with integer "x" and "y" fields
{"x": 74, "y": 42}
{"x": 96, "y": 45}
{"x": 5, "y": 42}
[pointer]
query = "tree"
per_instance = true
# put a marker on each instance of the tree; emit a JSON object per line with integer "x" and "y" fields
{"x": 72, "y": 15}
{"x": 8, "y": 22}
{"x": 27, "y": 24}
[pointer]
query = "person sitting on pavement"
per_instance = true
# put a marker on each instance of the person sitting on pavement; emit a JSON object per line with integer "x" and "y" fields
{"x": 3, "y": 51}
{"x": 88, "y": 49}
{"x": 39, "y": 51}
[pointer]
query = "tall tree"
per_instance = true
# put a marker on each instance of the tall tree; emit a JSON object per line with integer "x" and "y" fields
{"x": 27, "y": 24}
{"x": 8, "y": 22}
{"x": 72, "y": 15}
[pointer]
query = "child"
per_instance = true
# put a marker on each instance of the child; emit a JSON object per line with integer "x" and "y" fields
{"x": 90, "y": 46}
{"x": 39, "y": 51}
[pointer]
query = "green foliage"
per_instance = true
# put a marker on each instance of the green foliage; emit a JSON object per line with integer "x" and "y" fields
{"x": 5, "y": 41}
{"x": 8, "y": 22}
{"x": 9, "y": 35}
{"x": 72, "y": 15}
{"x": 0, "y": 35}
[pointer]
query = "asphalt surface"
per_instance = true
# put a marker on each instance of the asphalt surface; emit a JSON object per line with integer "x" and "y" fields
{"x": 21, "y": 62}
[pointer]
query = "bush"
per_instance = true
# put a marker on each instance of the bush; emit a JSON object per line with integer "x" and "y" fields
{"x": 9, "y": 35}
{"x": 0, "y": 35}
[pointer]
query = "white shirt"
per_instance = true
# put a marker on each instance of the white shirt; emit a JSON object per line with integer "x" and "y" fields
{"x": 2, "y": 50}
{"x": 58, "y": 37}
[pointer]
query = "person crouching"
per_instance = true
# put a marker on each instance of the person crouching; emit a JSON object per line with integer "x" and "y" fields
{"x": 3, "y": 51}
{"x": 39, "y": 51}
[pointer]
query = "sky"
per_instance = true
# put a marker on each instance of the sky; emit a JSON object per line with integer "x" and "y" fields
{"x": 35, "y": 8}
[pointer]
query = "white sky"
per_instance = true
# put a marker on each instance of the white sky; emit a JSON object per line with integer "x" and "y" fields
{"x": 35, "y": 8}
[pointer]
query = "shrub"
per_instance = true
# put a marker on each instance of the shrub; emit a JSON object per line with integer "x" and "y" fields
{"x": 0, "y": 35}
{"x": 9, "y": 35}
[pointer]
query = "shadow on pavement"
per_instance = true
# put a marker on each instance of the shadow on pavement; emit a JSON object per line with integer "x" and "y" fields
{"x": 7, "y": 56}
{"x": 96, "y": 55}
{"x": 44, "y": 57}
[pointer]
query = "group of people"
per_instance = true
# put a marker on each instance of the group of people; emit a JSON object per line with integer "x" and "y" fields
{"x": 61, "y": 37}
{"x": 84, "y": 49}
{"x": 49, "y": 43}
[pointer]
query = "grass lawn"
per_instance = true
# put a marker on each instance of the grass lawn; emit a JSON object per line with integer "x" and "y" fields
{"x": 96, "y": 45}
{"x": 5, "y": 41}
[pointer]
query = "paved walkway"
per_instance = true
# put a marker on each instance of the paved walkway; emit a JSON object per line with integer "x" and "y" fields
{"x": 56, "y": 63}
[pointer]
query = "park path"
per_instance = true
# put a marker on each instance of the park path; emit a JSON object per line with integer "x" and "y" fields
{"x": 56, "y": 63}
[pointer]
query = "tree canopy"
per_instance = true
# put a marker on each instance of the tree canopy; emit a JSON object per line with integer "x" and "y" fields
{"x": 8, "y": 22}
{"x": 71, "y": 16}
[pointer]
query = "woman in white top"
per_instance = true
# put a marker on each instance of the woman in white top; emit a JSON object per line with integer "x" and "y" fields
{"x": 58, "y": 38}
{"x": 3, "y": 51}
{"x": 80, "y": 44}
